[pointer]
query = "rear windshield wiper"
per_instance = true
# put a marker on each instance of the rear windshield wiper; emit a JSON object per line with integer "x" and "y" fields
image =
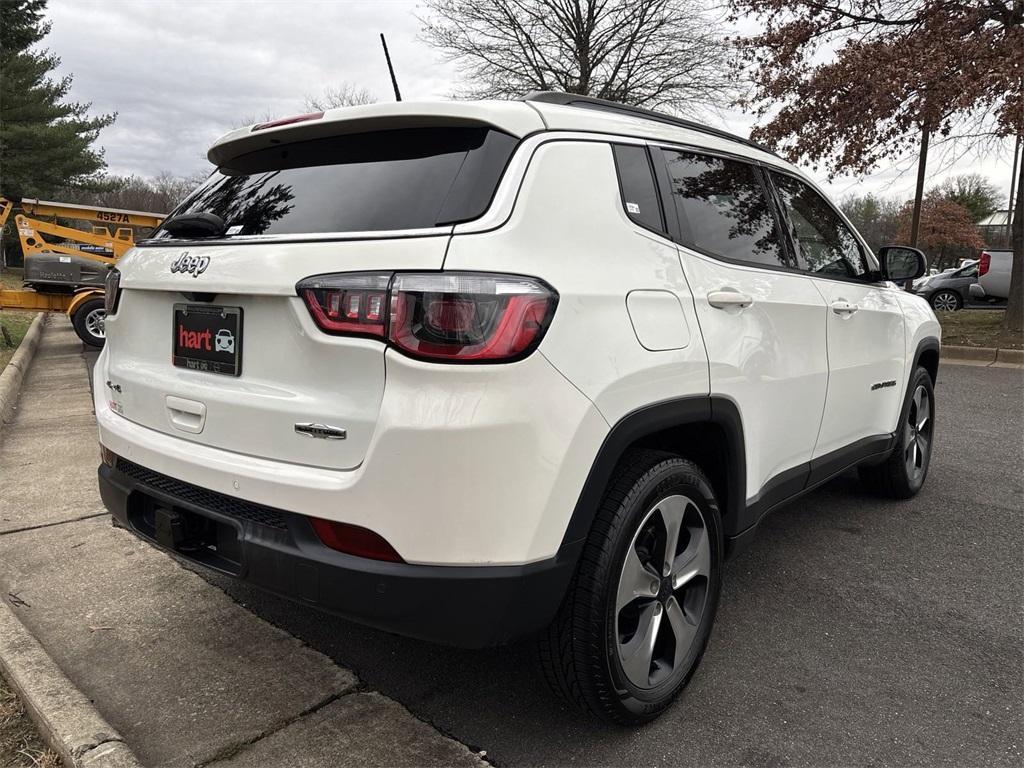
{"x": 195, "y": 225}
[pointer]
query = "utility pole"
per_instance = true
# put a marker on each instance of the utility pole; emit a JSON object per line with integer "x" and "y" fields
{"x": 391, "y": 69}
{"x": 915, "y": 221}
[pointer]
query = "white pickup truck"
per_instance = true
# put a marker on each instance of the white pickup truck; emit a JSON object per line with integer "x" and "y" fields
{"x": 993, "y": 275}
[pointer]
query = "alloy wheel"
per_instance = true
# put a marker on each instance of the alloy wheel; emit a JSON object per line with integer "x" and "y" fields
{"x": 945, "y": 302}
{"x": 95, "y": 323}
{"x": 662, "y": 591}
{"x": 917, "y": 434}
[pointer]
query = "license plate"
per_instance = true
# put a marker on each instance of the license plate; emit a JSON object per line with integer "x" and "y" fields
{"x": 208, "y": 338}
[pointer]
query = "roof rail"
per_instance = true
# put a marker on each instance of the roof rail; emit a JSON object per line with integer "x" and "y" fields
{"x": 590, "y": 102}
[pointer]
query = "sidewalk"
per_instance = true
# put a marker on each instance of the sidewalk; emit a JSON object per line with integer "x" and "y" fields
{"x": 184, "y": 674}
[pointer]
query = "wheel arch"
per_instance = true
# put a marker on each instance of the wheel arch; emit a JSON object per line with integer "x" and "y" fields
{"x": 927, "y": 355}
{"x": 706, "y": 430}
{"x": 81, "y": 297}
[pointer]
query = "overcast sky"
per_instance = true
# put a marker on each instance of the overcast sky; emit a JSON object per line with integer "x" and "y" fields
{"x": 181, "y": 72}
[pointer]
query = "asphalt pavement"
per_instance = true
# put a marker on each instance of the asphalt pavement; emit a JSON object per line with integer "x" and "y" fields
{"x": 853, "y": 631}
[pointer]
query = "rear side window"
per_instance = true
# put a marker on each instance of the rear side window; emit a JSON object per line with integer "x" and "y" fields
{"x": 386, "y": 180}
{"x": 723, "y": 208}
{"x": 636, "y": 182}
{"x": 825, "y": 245}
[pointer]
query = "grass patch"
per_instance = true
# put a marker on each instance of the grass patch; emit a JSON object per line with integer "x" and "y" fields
{"x": 16, "y": 324}
{"x": 977, "y": 328}
{"x": 11, "y": 277}
{"x": 20, "y": 745}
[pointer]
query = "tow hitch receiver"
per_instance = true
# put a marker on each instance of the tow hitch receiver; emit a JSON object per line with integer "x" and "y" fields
{"x": 211, "y": 541}
{"x": 170, "y": 528}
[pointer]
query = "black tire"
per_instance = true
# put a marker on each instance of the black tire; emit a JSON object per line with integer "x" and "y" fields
{"x": 946, "y": 301}
{"x": 903, "y": 474}
{"x": 581, "y": 651}
{"x": 84, "y": 321}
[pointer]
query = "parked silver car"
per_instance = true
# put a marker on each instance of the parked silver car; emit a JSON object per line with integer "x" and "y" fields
{"x": 950, "y": 290}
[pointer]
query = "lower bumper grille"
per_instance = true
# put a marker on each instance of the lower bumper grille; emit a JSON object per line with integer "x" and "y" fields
{"x": 201, "y": 497}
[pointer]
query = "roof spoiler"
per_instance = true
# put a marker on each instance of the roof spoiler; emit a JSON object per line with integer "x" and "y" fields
{"x": 513, "y": 118}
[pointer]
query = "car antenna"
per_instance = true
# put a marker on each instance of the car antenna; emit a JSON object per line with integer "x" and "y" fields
{"x": 391, "y": 69}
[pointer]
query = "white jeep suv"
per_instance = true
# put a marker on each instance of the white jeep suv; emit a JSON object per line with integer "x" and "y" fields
{"x": 473, "y": 372}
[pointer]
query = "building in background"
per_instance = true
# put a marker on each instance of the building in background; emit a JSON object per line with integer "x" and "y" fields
{"x": 995, "y": 229}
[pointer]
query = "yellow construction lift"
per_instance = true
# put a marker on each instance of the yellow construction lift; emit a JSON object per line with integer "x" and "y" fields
{"x": 65, "y": 267}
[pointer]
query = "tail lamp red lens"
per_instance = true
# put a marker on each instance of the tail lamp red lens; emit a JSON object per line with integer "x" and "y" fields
{"x": 354, "y": 540}
{"x": 350, "y": 305}
{"x": 984, "y": 263}
{"x": 457, "y": 317}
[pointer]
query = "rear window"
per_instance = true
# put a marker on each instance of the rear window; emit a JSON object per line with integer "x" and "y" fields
{"x": 386, "y": 180}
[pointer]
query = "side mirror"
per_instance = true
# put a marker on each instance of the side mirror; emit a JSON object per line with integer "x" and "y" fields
{"x": 901, "y": 263}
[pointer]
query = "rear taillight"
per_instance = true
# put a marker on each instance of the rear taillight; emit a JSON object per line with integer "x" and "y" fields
{"x": 468, "y": 317}
{"x": 984, "y": 263}
{"x": 354, "y": 540}
{"x": 353, "y": 304}
{"x": 111, "y": 290}
{"x": 460, "y": 317}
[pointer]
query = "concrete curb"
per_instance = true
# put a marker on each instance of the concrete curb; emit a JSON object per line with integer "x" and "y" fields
{"x": 985, "y": 356}
{"x": 1010, "y": 356}
{"x": 14, "y": 373}
{"x": 67, "y": 720}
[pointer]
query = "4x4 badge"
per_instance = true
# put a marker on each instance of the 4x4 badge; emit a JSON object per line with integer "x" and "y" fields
{"x": 193, "y": 265}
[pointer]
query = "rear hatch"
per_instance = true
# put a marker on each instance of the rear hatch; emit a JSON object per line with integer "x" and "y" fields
{"x": 209, "y": 340}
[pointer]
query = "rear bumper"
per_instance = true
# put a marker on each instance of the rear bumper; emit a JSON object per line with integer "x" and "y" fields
{"x": 976, "y": 291}
{"x": 467, "y": 466}
{"x": 276, "y": 550}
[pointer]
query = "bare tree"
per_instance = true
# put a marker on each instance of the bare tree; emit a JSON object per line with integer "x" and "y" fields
{"x": 652, "y": 53}
{"x": 342, "y": 95}
{"x": 244, "y": 121}
{"x": 160, "y": 193}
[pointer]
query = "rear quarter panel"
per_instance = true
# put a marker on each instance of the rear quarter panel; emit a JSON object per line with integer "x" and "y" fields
{"x": 569, "y": 228}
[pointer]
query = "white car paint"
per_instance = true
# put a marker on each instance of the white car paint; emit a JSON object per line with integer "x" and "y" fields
{"x": 569, "y": 226}
{"x": 866, "y": 347}
{"x": 769, "y": 358}
{"x": 483, "y": 464}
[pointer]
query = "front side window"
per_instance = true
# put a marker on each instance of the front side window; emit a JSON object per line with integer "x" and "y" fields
{"x": 723, "y": 208}
{"x": 825, "y": 245}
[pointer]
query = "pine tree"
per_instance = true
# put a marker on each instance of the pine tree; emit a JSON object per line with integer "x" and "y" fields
{"x": 45, "y": 141}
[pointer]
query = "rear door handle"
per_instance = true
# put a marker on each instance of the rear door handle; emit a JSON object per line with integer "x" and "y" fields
{"x": 727, "y": 299}
{"x": 843, "y": 307}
